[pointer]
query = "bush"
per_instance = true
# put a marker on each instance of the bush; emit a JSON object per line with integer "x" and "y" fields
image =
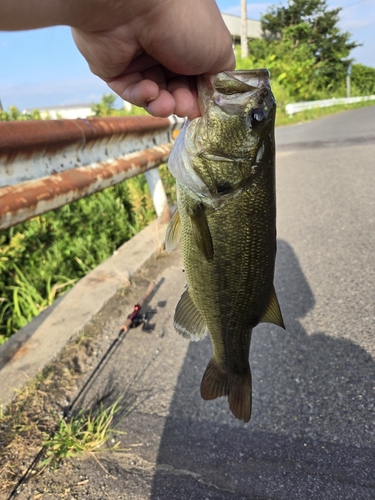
{"x": 42, "y": 258}
{"x": 362, "y": 80}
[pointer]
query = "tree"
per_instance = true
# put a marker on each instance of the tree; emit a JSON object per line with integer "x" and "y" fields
{"x": 310, "y": 53}
{"x": 363, "y": 79}
{"x": 106, "y": 106}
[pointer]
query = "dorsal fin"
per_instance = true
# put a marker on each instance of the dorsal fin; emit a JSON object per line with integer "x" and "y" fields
{"x": 273, "y": 313}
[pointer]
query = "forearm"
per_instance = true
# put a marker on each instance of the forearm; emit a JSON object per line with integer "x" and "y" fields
{"x": 91, "y": 15}
{"x": 17, "y": 15}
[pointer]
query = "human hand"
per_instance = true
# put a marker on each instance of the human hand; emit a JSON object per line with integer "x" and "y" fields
{"x": 149, "y": 51}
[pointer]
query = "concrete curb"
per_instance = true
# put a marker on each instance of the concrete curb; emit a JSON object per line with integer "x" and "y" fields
{"x": 28, "y": 351}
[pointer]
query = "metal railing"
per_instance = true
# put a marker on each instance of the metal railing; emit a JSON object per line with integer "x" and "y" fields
{"x": 297, "y": 107}
{"x": 47, "y": 164}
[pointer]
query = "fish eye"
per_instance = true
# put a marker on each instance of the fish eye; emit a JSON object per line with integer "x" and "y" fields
{"x": 257, "y": 117}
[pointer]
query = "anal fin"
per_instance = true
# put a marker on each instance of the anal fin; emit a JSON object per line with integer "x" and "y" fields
{"x": 273, "y": 313}
{"x": 188, "y": 321}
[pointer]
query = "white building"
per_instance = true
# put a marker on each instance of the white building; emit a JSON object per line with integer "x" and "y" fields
{"x": 69, "y": 112}
{"x": 233, "y": 24}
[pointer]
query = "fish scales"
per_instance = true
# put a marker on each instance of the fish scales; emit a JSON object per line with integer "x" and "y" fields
{"x": 226, "y": 218}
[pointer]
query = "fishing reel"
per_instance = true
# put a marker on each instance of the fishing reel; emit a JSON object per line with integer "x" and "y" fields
{"x": 137, "y": 318}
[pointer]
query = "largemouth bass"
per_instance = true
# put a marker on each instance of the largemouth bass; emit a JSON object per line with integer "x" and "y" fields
{"x": 224, "y": 164}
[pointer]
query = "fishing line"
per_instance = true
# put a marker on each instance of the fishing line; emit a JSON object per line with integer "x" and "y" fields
{"x": 124, "y": 329}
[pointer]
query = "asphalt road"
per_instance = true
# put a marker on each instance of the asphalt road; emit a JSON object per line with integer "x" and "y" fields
{"x": 312, "y": 433}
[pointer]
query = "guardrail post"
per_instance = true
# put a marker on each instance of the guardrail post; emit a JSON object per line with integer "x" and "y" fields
{"x": 157, "y": 191}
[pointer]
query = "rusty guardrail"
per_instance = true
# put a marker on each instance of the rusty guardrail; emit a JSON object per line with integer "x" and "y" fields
{"x": 47, "y": 164}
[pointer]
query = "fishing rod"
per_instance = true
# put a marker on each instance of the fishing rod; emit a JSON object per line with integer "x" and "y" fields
{"x": 132, "y": 320}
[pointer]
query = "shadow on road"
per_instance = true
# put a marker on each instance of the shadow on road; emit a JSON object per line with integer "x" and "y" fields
{"x": 312, "y": 433}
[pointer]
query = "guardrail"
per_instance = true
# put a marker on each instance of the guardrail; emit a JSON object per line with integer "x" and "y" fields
{"x": 297, "y": 107}
{"x": 47, "y": 164}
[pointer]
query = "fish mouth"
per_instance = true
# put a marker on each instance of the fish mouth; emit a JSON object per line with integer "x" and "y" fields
{"x": 235, "y": 82}
{"x": 256, "y": 78}
{"x": 254, "y": 83}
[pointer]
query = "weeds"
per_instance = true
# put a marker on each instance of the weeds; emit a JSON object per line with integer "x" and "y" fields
{"x": 84, "y": 433}
{"x": 23, "y": 427}
{"x": 26, "y": 301}
{"x": 42, "y": 258}
{"x": 32, "y": 421}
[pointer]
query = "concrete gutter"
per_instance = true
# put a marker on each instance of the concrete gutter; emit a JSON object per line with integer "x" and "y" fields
{"x": 33, "y": 347}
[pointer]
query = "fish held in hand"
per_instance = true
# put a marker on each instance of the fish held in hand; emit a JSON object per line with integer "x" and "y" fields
{"x": 224, "y": 165}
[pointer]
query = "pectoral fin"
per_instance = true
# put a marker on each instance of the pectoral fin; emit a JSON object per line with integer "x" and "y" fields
{"x": 173, "y": 233}
{"x": 188, "y": 321}
{"x": 201, "y": 232}
{"x": 273, "y": 313}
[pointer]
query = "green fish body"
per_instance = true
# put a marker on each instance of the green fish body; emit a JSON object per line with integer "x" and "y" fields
{"x": 224, "y": 164}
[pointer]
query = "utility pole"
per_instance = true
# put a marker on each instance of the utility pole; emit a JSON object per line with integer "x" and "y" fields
{"x": 244, "y": 45}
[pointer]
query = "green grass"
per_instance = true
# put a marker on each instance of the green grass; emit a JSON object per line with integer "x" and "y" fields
{"x": 42, "y": 258}
{"x": 85, "y": 433}
{"x": 32, "y": 422}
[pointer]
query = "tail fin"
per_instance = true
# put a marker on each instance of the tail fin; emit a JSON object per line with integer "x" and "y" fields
{"x": 216, "y": 382}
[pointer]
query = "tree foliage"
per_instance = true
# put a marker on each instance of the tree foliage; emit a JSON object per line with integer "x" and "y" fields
{"x": 14, "y": 114}
{"x": 304, "y": 48}
{"x": 363, "y": 79}
{"x": 106, "y": 107}
{"x": 43, "y": 257}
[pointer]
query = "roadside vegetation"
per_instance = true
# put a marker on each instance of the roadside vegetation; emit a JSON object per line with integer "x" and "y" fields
{"x": 84, "y": 433}
{"x": 42, "y": 258}
{"x": 34, "y": 431}
{"x": 308, "y": 57}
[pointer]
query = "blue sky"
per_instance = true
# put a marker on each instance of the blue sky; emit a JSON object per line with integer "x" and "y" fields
{"x": 43, "y": 68}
